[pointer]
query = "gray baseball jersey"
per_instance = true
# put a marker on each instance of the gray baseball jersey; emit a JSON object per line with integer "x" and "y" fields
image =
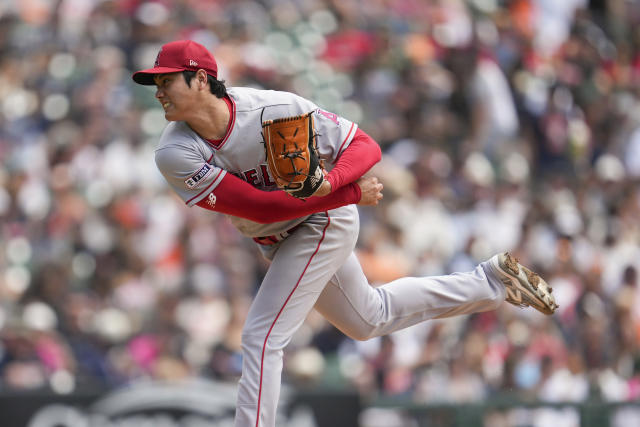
{"x": 313, "y": 267}
{"x": 194, "y": 166}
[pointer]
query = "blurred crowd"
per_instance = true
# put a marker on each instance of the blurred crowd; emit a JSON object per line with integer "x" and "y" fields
{"x": 505, "y": 125}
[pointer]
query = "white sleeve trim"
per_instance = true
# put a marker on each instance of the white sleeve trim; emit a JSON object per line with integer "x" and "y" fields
{"x": 204, "y": 193}
{"x": 348, "y": 139}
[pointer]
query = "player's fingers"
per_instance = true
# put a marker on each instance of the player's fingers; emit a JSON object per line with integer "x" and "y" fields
{"x": 372, "y": 179}
{"x": 378, "y": 193}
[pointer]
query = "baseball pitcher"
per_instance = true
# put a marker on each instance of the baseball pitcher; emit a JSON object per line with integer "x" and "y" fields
{"x": 290, "y": 175}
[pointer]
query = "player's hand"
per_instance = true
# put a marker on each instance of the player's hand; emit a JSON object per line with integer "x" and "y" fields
{"x": 371, "y": 191}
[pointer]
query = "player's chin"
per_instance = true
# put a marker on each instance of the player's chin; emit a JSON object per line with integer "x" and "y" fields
{"x": 171, "y": 116}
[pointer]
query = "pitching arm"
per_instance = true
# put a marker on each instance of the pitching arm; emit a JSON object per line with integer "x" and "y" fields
{"x": 236, "y": 197}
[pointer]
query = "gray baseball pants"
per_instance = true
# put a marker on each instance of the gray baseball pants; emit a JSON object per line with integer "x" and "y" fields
{"x": 315, "y": 267}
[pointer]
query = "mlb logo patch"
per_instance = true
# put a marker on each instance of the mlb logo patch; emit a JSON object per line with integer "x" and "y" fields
{"x": 194, "y": 180}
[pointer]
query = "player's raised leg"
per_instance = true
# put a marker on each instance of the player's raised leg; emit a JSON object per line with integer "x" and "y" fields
{"x": 362, "y": 311}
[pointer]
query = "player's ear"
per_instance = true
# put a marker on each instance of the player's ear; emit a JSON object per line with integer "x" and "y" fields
{"x": 202, "y": 78}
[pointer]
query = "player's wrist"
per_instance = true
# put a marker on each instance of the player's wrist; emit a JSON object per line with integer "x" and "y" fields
{"x": 325, "y": 188}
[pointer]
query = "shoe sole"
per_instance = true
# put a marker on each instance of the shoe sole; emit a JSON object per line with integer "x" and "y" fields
{"x": 526, "y": 291}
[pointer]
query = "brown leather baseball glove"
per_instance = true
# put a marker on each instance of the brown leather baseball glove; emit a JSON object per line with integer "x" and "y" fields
{"x": 292, "y": 155}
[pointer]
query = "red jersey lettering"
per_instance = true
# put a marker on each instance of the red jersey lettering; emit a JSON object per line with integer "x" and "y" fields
{"x": 251, "y": 176}
{"x": 266, "y": 177}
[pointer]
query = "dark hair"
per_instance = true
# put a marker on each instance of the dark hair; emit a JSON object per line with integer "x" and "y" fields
{"x": 217, "y": 86}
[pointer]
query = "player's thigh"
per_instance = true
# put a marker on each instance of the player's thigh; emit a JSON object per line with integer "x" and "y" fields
{"x": 300, "y": 270}
{"x": 348, "y": 301}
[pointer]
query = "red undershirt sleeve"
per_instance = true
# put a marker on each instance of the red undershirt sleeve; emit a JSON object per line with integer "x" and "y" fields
{"x": 355, "y": 160}
{"x": 236, "y": 197}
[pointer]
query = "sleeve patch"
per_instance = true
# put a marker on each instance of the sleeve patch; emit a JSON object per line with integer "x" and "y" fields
{"x": 194, "y": 180}
{"x": 331, "y": 116}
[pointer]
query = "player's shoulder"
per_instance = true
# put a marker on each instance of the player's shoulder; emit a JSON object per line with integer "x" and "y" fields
{"x": 176, "y": 135}
{"x": 249, "y": 99}
{"x": 179, "y": 148}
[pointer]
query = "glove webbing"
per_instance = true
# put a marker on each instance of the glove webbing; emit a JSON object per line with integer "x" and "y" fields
{"x": 297, "y": 154}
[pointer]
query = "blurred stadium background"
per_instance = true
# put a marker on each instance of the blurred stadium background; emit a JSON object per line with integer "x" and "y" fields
{"x": 505, "y": 125}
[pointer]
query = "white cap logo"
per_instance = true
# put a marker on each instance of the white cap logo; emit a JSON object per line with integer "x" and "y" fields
{"x": 193, "y": 63}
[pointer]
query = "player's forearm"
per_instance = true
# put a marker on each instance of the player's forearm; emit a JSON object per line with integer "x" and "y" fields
{"x": 355, "y": 161}
{"x": 236, "y": 197}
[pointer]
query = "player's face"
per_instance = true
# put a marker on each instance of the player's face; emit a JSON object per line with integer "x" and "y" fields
{"x": 174, "y": 95}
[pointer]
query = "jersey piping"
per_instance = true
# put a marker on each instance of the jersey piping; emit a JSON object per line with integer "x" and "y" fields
{"x": 345, "y": 141}
{"x": 216, "y": 145}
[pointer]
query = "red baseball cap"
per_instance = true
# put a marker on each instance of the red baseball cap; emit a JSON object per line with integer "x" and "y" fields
{"x": 181, "y": 55}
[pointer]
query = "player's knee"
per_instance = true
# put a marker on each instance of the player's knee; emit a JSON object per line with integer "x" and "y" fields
{"x": 251, "y": 342}
{"x": 256, "y": 343}
{"x": 360, "y": 337}
{"x": 362, "y": 333}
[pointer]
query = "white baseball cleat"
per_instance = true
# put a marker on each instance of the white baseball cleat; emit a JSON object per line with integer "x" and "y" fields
{"x": 524, "y": 287}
